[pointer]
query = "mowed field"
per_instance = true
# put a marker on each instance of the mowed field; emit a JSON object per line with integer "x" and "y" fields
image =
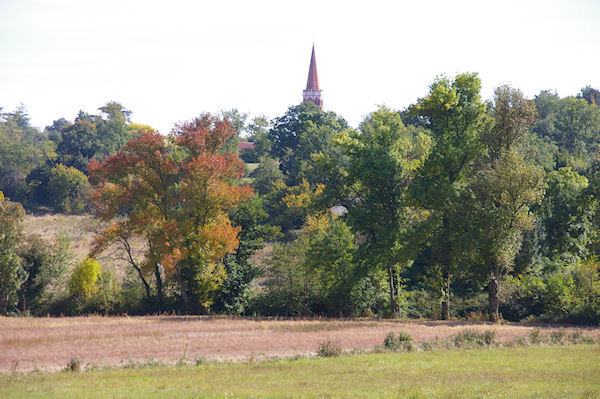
{"x": 570, "y": 371}
{"x": 49, "y": 343}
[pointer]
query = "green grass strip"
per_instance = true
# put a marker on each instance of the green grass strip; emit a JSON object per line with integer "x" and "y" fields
{"x": 571, "y": 371}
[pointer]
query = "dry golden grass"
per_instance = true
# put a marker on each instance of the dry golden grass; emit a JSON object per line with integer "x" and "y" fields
{"x": 49, "y": 343}
{"x": 80, "y": 230}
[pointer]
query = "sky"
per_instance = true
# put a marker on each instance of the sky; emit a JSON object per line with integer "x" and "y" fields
{"x": 169, "y": 61}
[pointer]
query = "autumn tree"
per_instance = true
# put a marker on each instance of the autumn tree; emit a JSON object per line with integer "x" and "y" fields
{"x": 175, "y": 192}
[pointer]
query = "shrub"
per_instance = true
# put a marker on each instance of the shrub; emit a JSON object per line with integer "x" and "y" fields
{"x": 74, "y": 364}
{"x": 578, "y": 337}
{"x": 107, "y": 298}
{"x": 430, "y": 345}
{"x": 84, "y": 280}
{"x": 67, "y": 189}
{"x": 330, "y": 349}
{"x": 402, "y": 342}
{"x": 470, "y": 338}
{"x": 558, "y": 336}
{"x": 519, "y": 341}
{"x": 535, "y": 336}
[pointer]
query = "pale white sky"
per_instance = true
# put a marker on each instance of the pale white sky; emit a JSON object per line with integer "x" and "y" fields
{"x": 168, "y": 61}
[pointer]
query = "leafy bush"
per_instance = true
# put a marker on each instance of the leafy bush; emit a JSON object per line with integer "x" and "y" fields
{"x": 402, "y": 342}
{"x": 44, "y": 264}
{"x": 519, "y": 341}
{"x": 558, "y": 337}
{"x": 84, "y": 280}
{"x": 329, "y": 349}
{"x": 421, "y": 304}
{"x": 74, "y": 365}
{"x": 535, "y": 336}
{"x": 68, "y": 189}
{"x": 470, "y": 338}
{"x": 107, "y": 299}
{"x": 522, "y": 297}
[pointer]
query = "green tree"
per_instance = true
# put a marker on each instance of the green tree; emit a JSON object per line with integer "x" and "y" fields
{"x": 329, "y": 260}
{"x": 233, "y": 295}
{"x": 266, "y": 174}
{"x": 79, "y": 143}
{"x": 111, "y": 126}
{"x": 44, "y": 264}
{"x": 12, "y": 274}
{"x": 238, "y": 120}
{"x": 455, "y": 114}
{"x": 67, "y": 189}
{"x": 591, "y": 95}
{"x": 566, "y": 223}
{"x": 383, "y": 160}
{"x": 94, "y": 136}
{"x": 497, "y": 199}
{"x": 259, "y": 135}
{"x": 21, "y": 149}
{"x": 304, "y": 130}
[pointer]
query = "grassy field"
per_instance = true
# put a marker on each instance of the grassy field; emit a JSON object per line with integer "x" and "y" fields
{"x": 49, "y": 343}
{"x": 532, "y": 372}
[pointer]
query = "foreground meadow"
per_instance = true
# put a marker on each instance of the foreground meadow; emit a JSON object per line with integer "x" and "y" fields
{"x": 531, "y": 372}
{"x": 48, "y": 344}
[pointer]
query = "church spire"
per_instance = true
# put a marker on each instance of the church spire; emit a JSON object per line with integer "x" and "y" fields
{"x": 312, "y": 91}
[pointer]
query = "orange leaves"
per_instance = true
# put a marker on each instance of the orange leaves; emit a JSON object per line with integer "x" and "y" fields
{"x": 204, "y": 135}
{"x": 174, "y": 191}
{"x": 220, "y": 237}
{"x": 215, "y": 165}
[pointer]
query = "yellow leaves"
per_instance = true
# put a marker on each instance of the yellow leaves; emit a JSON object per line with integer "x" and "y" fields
{"x": 1, "y": 196}
{"x": 300, "y": 196}
{"x": 85, "y": 277}
{"x": 219, "y": 238}
{"x": 318, "y": 223}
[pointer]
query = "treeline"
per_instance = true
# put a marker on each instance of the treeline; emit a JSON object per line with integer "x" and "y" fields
{"x": 453, "y": 207}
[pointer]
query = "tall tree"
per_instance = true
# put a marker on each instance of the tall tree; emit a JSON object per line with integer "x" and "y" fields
{"x": 238, "y": 120}
{"x": 455, "y": 114}
{"x": 497, "y": 199}
{"x": 111, "y": 125}
{"x": 176, "y": 193}
{"x": 79, "y": 142}
{"x": 383, "y": 159}
{"x": 21, "y": 150}
{"x": 305, "y": 129}
{"x": 12, "y": 274}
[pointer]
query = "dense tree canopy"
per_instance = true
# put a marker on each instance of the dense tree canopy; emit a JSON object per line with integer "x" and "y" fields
{"x": 491, "y": 206}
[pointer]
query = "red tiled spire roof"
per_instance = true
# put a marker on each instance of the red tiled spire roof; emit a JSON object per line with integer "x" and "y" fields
{"x": 312, "y": 92}
{"x": 313, "y": 78}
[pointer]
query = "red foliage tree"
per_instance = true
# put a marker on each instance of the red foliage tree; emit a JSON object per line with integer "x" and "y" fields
{"x": 176, "y": 192}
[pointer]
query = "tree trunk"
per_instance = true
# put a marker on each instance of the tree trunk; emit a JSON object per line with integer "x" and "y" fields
{"x": 159, "y": 287}
{"x": 446, "y": 296}
{"x": 493, "y": 294}
{"x": 392, "y": 291}
{"x": 184, "y": 295}
{"x": 24, "y": 299}
{"x": 127, "y": 247}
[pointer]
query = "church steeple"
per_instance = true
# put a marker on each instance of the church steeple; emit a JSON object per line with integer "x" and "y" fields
{"x": 312, "y": 91}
